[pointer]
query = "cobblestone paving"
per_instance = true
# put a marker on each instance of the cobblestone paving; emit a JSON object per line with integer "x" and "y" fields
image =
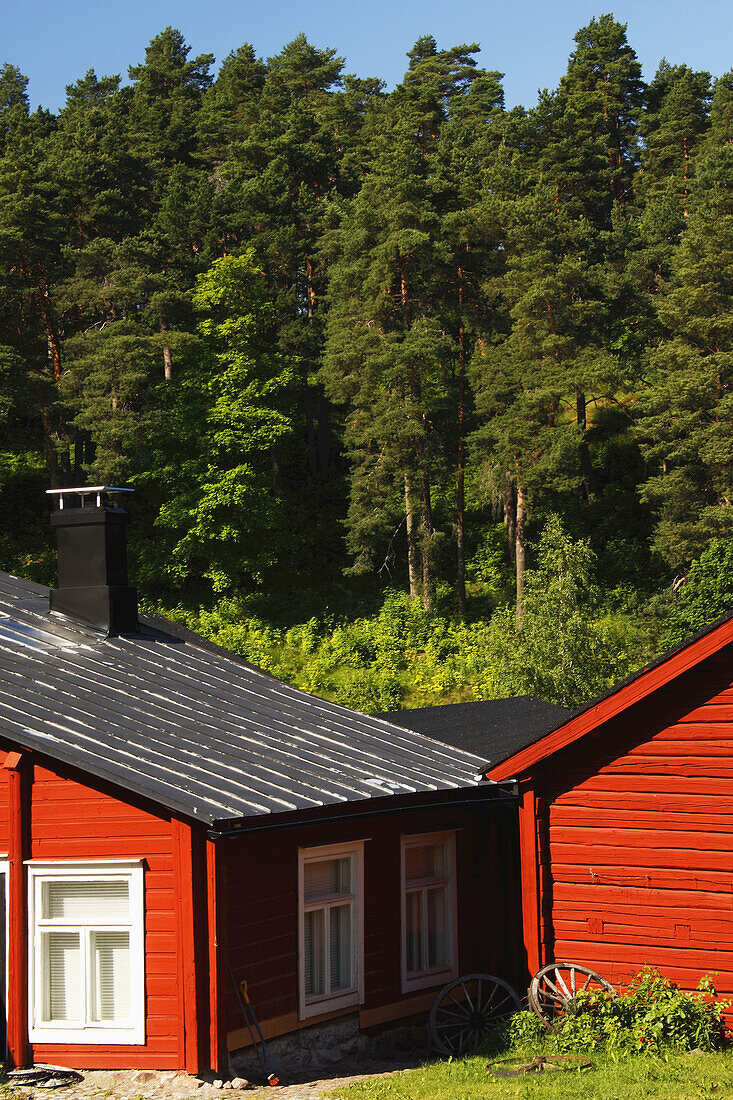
{"x": 150, "y": 1085}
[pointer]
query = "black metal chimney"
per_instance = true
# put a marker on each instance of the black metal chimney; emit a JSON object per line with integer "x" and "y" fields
{"x": 92, "y": 541}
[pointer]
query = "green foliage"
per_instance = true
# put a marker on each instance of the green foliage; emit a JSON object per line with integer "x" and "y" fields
{"x": 569, "y": 649}
{"x": 328, "y": 331}
{"x": 649, "y": 1016}
{"x": 706, "y": 594}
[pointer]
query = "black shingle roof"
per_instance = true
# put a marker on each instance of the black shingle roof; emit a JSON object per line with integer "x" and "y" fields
{"x": 489, "y": 728}
{"x": 198, "y": 730}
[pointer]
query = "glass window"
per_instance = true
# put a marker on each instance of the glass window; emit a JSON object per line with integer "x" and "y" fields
{"x": 88, "y": 960}
{"x": 329, "y": 920}
{"x": 428, "y": 883}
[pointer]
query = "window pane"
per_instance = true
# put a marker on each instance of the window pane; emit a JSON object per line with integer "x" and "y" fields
{"x": 340, "y": 947}
{"x": 437, "y": 928}
{"x": 326, "y": 878}
{"x": 315, "y": 975}
{"x": 86, "y": 902}
{"x": 414, "y": 932}
{"x": 61, "y": 977}
{"x": 424, "y": 861}
{"x": 110, "y": 962}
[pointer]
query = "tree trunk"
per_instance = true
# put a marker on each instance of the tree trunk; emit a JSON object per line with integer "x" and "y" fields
{"x": 510, "y": 515}
{"x": 461, "y": 478}
{"x": 428, "y": 586}
{"x": 324, "y": 431}
{"x": 307, "y": 403}
{"x": 586, "y": 466}
{"x": 412, "y": 550}
{"x": 167, "y": 357}
{"x": 520, "y": 553}
{"x": 277, "y": 472}
{"x": 50, "y": 451}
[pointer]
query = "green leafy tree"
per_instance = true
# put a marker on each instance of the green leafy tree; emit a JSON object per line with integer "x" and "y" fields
{"x": 705, "y": 595}
{"x": 216, "y": 433}
{"x": 567, "y": 652}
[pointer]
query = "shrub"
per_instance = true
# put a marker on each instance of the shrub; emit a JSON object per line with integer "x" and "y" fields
{"x": 652, "y": 1014}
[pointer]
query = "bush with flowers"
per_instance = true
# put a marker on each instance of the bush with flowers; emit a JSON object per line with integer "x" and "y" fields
{"x": 651, "y": 1014}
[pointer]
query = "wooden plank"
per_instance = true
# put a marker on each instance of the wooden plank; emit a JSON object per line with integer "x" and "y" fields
{"x": 600, "y": 856}
{"x": 217, "y": 1039}
{"x": 651, "y": 877}
{"x": 712, "y": 768}
{"x": 529, "y": 877}
{"x": 598, "y": 836}
{"x": 18, "y": 852}
{"x": 600, "y": 897}
{"x": 649, "y": 785}
{"x": 711, "y": 712}
{"x": 633, "y": 817}
{"x": 178, "y": 873}
{"x": 190, "y": 946}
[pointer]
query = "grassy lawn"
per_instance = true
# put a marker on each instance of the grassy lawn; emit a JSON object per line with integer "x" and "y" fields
{"x": 667, "y": 1077}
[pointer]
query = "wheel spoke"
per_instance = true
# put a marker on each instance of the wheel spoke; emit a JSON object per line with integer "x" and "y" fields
{"x": 454, "y": 1015}
{"x": 558, "y": 975}
{"x": 468, "y": 996}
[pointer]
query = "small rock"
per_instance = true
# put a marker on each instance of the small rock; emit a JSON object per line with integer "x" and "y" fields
{"x": 218, "y": 1084}
{"x": 240, "y": 1083}
{"x": 227, "y": 1085}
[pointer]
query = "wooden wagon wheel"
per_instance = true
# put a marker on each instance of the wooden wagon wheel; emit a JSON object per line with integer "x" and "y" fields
{"x": 554, "y": 988}
{"x": 466, "y": 1010}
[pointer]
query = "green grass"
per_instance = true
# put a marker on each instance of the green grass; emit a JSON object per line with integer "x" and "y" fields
{"x": 669, "y": 1076}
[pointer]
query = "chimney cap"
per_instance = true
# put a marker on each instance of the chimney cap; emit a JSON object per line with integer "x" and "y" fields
{"x": 86, "y": 491}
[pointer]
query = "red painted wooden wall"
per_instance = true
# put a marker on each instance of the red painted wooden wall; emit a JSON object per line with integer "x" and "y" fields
{"x": 261, "y": 905}
{"x": 51, "y": 812}
{"x": 635, "y": 836}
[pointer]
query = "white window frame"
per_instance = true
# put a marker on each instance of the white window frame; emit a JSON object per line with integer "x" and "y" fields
{"x": 332, "y": 1002}
{"x": 130, "y": 871}
{"x": 438, "y": 975}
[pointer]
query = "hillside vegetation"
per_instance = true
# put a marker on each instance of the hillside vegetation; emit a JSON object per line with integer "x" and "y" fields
{"x": 423, "y": 399}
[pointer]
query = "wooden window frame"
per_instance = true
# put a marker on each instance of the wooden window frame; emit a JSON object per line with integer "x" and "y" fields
{"x": 332, "y": 1002}
{"x": 424, "y": 979}
{"x": 130, "y": 871}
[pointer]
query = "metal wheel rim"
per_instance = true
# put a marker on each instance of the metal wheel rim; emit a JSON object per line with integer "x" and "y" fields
{"x": 465, "y": 1011}
{"x": 554, "y": 988}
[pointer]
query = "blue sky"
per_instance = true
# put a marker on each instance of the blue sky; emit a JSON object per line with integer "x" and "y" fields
{"x": 54, "y": 42}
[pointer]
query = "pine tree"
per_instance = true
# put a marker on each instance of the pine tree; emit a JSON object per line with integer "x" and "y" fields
{"x": 688, "y": 421}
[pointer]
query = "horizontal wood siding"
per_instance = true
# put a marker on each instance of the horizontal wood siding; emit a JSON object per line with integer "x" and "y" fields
{"x": 261, "y": 905}
{"x": 73, "y": 818}
{"x": 639, "y": 828}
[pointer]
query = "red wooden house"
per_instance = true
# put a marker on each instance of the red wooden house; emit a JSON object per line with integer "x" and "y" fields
{"x": 173, "y": 819}
{"x": 626, "y": 823}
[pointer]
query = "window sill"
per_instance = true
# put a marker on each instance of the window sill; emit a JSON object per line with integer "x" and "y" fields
{"x": 426, "y": 981}
{"x": 329, "y": 1005}
{"x": 88, "y": 1036}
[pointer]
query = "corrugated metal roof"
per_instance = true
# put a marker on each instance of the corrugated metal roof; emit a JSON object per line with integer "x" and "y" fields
{"x": 172, "y": 717}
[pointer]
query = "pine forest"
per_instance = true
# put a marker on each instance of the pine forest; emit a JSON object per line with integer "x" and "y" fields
{"x": 423, "y": 399}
